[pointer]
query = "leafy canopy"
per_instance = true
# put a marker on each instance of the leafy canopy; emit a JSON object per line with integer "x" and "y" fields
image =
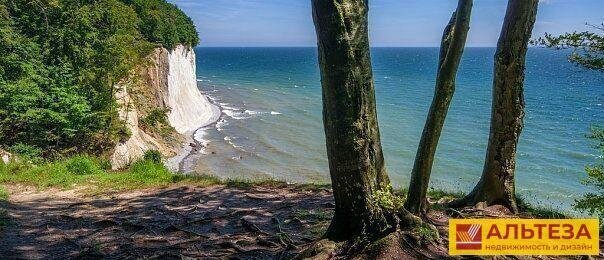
{"x": 61, "y": 59}
{"x": 588, "y": 47}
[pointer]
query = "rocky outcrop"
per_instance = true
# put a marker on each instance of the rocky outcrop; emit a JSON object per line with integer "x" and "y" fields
{"x": 167, "y": 83}
{"x": 6, "y": 156}
{"x": 139, "y": 142}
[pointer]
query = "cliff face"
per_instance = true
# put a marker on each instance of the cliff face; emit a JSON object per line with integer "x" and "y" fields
{"x": 189, "y": 108}
{"x": 166, "y": 86}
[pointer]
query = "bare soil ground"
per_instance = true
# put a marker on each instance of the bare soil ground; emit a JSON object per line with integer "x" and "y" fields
{"x": 181, "y": 222}
{"x": 186, "y": 222}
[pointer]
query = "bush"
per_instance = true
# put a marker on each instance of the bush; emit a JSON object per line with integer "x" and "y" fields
{"x": 27, "y": 152}
{"x": 153, "y": 156}
{"x": 83, "y": 165}
{"x": 155, "y": 117}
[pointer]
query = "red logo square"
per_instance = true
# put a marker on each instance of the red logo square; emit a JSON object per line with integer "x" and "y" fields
{"x": 468, "y": 237}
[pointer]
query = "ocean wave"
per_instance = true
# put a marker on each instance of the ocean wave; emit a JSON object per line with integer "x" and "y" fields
{"x": 220, "y": 125}
{"x": 227, "y": 107}
{"x": 235, "y": 114}
{"x": 199, "y": 136}
{"x": 229, "y": 140}
{"x": 250, "y": 112}
{"x": 275, "y": 113}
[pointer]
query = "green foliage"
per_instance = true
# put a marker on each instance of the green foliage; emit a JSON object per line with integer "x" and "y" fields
{"x": 164, "y": 23}
{"x": 593, "y": 203}
{"x": 60, "y": 61}
{"x": 89, "y": 174}
{"x": 426, "y": 232}
{"x": 153, "y": 156}
{"x": 3, "y": 194}
{"x": 27, "y": 152}
{"x": 83, "y": 165}
{"x": 588, "y": 47}
{"x": 538, "y": 212}
{"x": 386, "y": 199}
{"x": 155, "y": 118}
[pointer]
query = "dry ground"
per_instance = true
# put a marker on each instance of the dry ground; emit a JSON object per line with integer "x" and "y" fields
{"x": 181, "y": 222}
{"x": 218, "y": 222}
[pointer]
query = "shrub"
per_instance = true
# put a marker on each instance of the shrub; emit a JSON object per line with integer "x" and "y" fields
{"x": 83, "y": 165}
{"x": 388, "y": 200}
{"x": 153, "y": 156}
{"x": 155, "y": 117}
{"x": 27, "y": 152}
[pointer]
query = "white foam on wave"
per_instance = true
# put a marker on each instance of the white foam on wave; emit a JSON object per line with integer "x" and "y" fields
{"x": 199, "y": 137}
{"x": 250, "y": 112}
{"x": 235, "y": 115}
{"x": 229, "y": 107}
{"x": 275, "y": 113}
{"x": 220, "y": 125}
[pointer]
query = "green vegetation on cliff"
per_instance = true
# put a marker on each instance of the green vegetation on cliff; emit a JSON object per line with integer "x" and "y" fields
{"x": 59, "y": 64}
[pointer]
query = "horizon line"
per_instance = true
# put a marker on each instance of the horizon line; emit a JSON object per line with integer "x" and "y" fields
{"x": 308, "y": 46}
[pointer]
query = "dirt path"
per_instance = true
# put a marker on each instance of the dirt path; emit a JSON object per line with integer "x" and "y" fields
{"x": 186, "y": 222}
{"x": 214, "y": 222}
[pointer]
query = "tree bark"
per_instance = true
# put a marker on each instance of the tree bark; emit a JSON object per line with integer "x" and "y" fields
{"x": 451, "y": 50}
{"x": 497, "y": 185}
{"x": 356, "y": 162}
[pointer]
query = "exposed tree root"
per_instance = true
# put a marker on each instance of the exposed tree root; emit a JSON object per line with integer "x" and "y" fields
{"x": 400, "y": 244}
{"x": 411, "y": 238}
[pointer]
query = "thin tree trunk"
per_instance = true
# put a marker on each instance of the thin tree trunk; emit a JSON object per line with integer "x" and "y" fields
{"x": 354, "y": 150}
{"x": 451, "y": 50}
{"x": 497, "y": 185}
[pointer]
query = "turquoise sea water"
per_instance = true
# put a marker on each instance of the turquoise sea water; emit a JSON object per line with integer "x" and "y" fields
{"x": 271, "y": 123}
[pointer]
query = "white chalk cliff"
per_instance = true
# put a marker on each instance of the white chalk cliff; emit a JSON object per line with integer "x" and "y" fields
{"x": 169, "y": 82}
{"x": 189, "y": 108}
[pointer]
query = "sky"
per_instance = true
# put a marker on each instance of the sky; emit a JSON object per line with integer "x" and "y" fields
{"x": 393, "y": 23}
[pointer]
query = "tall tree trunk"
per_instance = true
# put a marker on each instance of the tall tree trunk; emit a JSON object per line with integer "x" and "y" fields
{"x": 451, "y": 50}
{"x": 497, "y": 185}
{"x": 356, "y": 162}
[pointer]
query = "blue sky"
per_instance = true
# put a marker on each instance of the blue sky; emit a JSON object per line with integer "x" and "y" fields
{"x": 392, "y": 22}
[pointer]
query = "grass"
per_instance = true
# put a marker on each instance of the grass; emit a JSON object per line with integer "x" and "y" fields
{"x": 539, "y": 212}
{"x": 3, "y": 194}
{"x": 92, "y": 176}
{"x": 4, "y": 218}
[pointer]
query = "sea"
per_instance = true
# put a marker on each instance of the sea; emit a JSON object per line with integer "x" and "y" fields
{"x": 271, "y": 123}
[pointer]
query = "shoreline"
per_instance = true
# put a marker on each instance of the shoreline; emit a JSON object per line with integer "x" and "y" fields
{"x": 192, "y": 145}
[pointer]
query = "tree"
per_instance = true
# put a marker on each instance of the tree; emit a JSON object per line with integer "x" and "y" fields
{"x": 497, "y": 185}
{"x": 62, "y": 59}
{"x": 451, "y": 50}
{"x": 588, "y": 52}
{"x": 587, "y": 47}
{"x": 356, "y": 162}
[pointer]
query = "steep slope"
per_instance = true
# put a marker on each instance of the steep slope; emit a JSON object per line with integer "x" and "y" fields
{"x": 162, "y": 106}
